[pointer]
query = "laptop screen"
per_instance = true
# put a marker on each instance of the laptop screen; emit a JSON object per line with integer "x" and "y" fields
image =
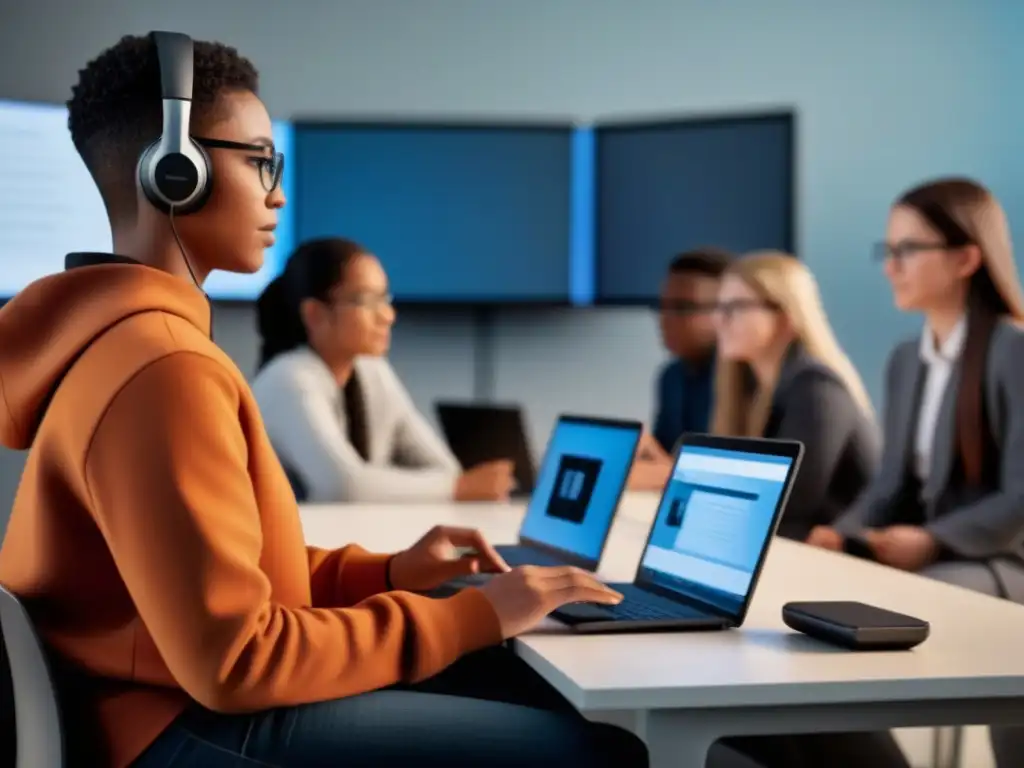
{"x": 579, "y": 485}
{"x": 714, "y": 521}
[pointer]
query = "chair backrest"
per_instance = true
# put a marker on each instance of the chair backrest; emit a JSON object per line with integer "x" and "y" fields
{"x": 40, "y": 738}
{"x": 298, "y": 486}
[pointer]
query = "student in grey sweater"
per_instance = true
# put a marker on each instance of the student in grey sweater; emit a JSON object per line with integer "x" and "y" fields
{"x": 340, "y": 420}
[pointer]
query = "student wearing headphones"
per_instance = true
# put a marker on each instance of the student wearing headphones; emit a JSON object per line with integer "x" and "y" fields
{"x": 781, "y": 373}
{"x": 154, "y": 538}
{"x": 949, "y": 500}
{"x": 684, "y": 388}
{"x": 336, "y": 413}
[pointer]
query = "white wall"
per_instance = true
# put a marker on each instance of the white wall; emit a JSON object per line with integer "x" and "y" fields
{"x": 888, "y": 91}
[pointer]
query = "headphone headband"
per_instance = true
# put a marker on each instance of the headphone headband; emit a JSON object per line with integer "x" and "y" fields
{"x": 174, "y": 172}
{"x": 174, "y": 53}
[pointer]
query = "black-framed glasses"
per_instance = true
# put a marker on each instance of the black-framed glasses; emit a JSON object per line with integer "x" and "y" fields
{"x": 905, "y": 249}
{"x": 270, "y": 167}
{"x": 683, "y": 307}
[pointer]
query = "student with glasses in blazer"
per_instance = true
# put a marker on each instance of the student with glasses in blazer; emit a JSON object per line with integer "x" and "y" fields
{"x": 948, "y": 502}
{"x": 782, "y": 373}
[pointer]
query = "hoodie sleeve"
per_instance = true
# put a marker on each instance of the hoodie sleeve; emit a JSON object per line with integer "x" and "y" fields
{"x": 345, "y": 576}
{"x": 168, "y": 480}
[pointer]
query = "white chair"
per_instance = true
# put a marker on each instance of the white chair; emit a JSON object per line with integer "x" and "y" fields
{"x": 40, "y": 738}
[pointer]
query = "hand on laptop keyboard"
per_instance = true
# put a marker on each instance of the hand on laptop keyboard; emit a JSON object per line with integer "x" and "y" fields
{"x": 524, "y": 596}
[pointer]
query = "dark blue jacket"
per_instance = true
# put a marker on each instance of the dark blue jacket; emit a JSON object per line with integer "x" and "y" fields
{"x": 683, "y": 402}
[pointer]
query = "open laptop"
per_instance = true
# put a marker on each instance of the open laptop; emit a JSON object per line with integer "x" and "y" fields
{"x": 479, "y": 433}
{"x": 579, "y": 486}
{"x": 708, "y": 542}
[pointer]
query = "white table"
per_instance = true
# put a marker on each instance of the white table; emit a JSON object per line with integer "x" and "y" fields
{"x": 686, "y": 690}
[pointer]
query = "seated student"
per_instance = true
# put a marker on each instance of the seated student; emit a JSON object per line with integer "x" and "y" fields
{"x": 686, "y": 319}
{"x": 337, "y": 415}
{"x": 154, "y": 538}
{"x": 949, "y": 500}
{"x": 781, "y": 373}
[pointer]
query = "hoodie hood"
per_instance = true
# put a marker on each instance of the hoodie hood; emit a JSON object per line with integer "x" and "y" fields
{"x": 48, "y": 325}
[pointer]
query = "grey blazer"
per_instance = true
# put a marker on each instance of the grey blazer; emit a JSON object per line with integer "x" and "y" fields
{"x": 842, "y": 444}
{"x": 984, "y": 525}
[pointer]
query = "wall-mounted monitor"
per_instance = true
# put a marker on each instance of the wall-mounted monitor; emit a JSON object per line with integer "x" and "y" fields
{"x": 49, "y": 205}
{"x": 458, "y": 214}
{"x": 665, "y": 187}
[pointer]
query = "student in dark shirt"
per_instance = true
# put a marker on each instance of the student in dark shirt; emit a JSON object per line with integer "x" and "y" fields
{"x": 684, "y": 387}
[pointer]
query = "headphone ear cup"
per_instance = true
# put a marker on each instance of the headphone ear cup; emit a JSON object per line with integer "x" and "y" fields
{"x": 165, "y": 178}
{"x": 204, "y": 186}
{"x": 144, "y": 174}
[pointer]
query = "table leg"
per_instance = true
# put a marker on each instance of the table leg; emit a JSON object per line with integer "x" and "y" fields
{"x": 678, "y": 742}
{"x": 628, "y": 719}
{"x": 684, "y": 738}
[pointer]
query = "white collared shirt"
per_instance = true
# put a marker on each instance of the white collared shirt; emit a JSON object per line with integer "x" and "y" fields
{"x": 939, "y": 362}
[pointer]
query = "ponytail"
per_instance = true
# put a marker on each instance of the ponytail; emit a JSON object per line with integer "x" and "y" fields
{"x": 280, "y": 326}
{"x": 976, "y": 445}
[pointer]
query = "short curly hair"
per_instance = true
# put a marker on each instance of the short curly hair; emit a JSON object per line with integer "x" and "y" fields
{"x": 115, "y": 109}
{"x": 708, "y": 260}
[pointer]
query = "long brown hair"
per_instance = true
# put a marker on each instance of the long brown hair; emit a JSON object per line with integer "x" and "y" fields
{"x": 965, "y": 213}
{"x": 741, "y": 407}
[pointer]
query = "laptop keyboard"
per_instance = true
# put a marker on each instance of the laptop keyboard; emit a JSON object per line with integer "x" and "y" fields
{"x": 634, "y": 610}
{"x": 629, "y": 610}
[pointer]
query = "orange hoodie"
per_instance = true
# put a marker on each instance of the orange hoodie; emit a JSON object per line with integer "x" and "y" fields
{"x": 155, "y": 538}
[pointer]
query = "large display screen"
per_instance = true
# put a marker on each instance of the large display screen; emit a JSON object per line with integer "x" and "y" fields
{"x": 462, "y": 214}
{"x": 50, "y": 207}
{"x": 665, "y": 188}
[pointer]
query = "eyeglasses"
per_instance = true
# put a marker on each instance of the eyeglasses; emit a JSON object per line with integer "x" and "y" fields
{"x": 682, "y": 307}
{"x": 729, "y": 309}
{"x": 270, "y": 167}
{"x": 366, "y": 300}
{"x": 905, "y": 249}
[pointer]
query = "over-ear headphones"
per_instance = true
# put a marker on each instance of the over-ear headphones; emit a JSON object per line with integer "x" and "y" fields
{"x": 174, "y": 171}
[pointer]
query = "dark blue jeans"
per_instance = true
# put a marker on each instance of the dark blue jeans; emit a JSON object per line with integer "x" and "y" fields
{"x": 489, "y": 709}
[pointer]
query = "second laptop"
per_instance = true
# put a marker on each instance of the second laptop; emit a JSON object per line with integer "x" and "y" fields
{"x": 579, "y": 486}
